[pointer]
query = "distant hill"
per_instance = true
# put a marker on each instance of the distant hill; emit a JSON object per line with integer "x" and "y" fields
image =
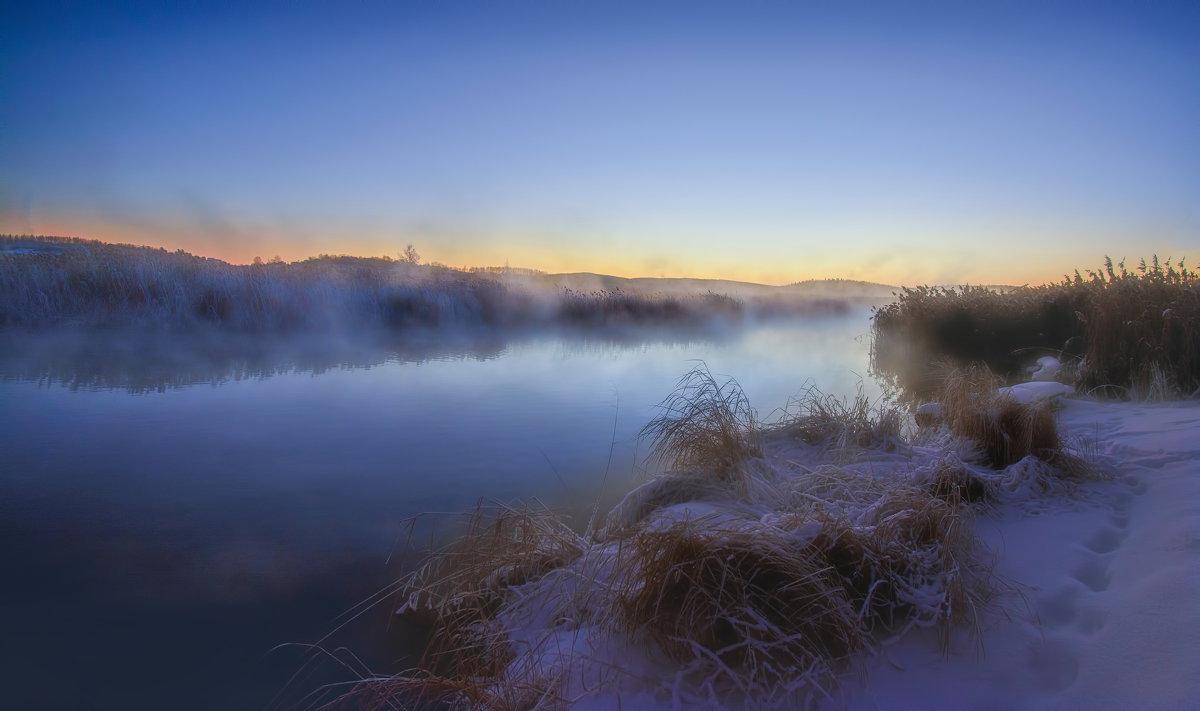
{"x": 860, "y": 292}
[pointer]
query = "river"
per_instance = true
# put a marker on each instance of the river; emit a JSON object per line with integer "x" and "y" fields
{"x": 181, "y": 523}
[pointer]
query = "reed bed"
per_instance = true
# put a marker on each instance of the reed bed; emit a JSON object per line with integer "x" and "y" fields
{"x": 1129, "y": 333}
{"x": 615, "y": 307}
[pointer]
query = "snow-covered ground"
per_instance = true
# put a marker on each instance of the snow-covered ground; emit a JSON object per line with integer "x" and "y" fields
{"x": 1103, "y": 610}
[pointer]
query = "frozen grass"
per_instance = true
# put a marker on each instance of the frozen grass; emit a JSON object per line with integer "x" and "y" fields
{"x": 745, "y": 609}
{"x": 705, "y": 425}
{"x": 1127, "y": 333}
{"x": 459, "y": 591}
{"x": 843, "y": 425}
{"x": 52, "y": 282}
{"x": 750, "y": 572}
{"x": 1005, "y": 431}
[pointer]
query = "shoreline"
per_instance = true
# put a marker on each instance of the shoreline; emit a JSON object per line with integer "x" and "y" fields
{"x": 1101, "y": 609}
{"x": 1080, "y": 572}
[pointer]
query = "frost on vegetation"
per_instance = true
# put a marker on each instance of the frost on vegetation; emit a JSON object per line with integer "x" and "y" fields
{"x": 49, "y": 283}
{"x": 750, "y": 575}
{"x": 1128, "y": 333}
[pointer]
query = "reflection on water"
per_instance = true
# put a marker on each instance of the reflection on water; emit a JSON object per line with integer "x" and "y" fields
{"x": 154, "y": 362}
{"x": 158, "y": 362}
{"x": 188, "y": 530}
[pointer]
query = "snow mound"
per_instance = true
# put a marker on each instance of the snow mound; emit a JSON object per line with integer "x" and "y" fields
{"x": 1046, "y": 369}
{"x": 1036, "y": 391}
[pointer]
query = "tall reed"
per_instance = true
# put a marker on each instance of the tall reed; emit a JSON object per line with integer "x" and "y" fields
{"x": 1132, "y": 332}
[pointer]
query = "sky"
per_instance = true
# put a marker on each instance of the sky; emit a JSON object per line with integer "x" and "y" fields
{"x": 904, "y": 143}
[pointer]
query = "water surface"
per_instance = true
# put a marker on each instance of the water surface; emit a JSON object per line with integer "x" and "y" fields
{"x": 171, "y": 516}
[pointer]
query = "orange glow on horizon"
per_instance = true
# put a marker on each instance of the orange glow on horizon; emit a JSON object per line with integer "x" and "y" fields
{"x": 1014, "y": 272}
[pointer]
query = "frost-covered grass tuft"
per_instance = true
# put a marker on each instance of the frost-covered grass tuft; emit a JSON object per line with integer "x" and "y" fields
{"x": 1005, "y": 430}
{"x": 459, "y": 591}
{"x": 843, "y": 425}
{"x": 705, "y": 425}
{"x": 746, "y": 609}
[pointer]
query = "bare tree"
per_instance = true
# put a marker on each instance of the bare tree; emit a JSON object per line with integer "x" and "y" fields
{"x": 410, "y": 255}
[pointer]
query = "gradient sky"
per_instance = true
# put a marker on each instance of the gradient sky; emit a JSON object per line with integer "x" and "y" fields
{"x": 897, "y": 142}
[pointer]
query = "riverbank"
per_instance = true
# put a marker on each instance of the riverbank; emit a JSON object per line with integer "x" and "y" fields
{"x": 1102, "y": 583}
{"x": 931, "y": 581}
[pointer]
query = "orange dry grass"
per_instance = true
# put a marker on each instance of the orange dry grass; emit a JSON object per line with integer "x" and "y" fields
{"x": 705, "y": 425}
{"x": 460, "y": 590}
{"x": 1005, "y": 430}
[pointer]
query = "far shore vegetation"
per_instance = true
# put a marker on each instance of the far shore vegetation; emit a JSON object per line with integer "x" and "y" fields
{"x": 48, "y": 282}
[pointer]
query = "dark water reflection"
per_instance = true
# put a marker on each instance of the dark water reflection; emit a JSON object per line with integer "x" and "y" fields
{"x": 172, "y": 512}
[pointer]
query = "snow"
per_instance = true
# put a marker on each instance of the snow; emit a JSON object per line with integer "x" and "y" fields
{"x": 1029, "y": 393}
{"x": 931, "y": 410}
{"x": 1104, "y": 607}
{"x": 1046, "y": 369}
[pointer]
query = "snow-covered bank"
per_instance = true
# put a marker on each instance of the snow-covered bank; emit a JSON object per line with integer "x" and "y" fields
{"x": 1103, "y": 607}
{"x": 848, "y": 569}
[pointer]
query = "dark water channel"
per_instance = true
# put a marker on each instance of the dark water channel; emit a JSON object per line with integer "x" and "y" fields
{"x": 169, "y": 517}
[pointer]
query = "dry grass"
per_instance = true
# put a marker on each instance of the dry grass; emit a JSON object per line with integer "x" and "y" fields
{"x": 1132, "y": 333}
{"x": 705, "y": 425}
{"x": 1006, "y": 431}
{"x": 422, "y": 691}
{"x": 744, "y": 610}
{"x": 460, "y": 590}
{"x": 842, "y": 425}
{"x": 761, "y": 611}
{"x": 953, "y": 482}
{"x": 770, "y": 613}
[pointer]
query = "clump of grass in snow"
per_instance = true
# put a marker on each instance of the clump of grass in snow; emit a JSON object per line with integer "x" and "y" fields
{"x": 705, "y": 425}
{"x": 842, "y": 425}
{"x": 460, "y": 590}
{"x": 1005, "y": 430}
{"x": 953, "y": 482}
{"x": 752, "y": 608}
{"x": 770, "y": 611}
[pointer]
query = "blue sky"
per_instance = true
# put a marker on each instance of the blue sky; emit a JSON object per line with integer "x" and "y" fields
{"x": 897, "y": 142}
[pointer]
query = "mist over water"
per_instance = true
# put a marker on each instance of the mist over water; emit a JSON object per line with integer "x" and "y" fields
{"x": 186, "y": 509}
